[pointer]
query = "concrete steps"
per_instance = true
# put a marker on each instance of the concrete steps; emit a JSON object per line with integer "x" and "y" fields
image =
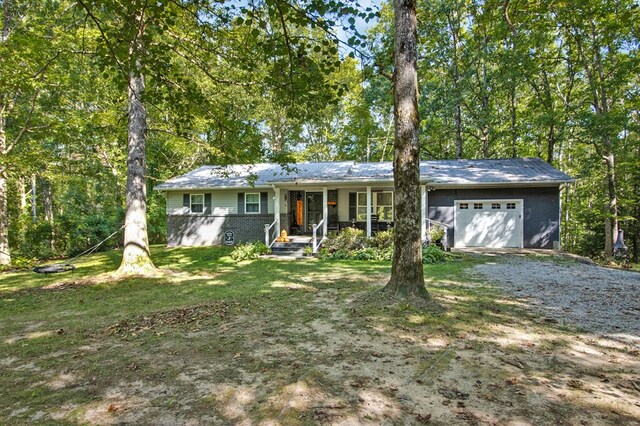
{"x": 294, "y": 248}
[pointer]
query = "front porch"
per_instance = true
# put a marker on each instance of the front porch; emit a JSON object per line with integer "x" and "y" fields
{"x": 315, "y": 211}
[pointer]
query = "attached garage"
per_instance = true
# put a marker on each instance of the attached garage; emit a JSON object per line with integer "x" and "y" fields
{"x": 488, "y": 223}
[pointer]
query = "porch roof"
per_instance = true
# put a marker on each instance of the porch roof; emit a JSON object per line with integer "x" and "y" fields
{"x": 438, "y": 172}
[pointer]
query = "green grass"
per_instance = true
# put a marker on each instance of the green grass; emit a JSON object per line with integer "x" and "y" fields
{"x": 74, "y": 344}
{"x": 36, "y": 322}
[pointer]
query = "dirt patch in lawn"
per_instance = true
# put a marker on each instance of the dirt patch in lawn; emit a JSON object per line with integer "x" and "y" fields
{"x": 313, "y": 354}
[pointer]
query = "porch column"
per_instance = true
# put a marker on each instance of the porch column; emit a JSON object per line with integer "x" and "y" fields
{"x": 276, "y": 209}
{"x": 368, "y": 212}
{"x": 325, "y": 211}
{"x": 423, "y": 216}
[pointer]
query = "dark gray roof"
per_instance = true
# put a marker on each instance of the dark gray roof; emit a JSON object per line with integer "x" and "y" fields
{"x": 454, "y": 172}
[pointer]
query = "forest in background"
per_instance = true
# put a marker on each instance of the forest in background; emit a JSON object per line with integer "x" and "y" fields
{"x": 236, "y": 83}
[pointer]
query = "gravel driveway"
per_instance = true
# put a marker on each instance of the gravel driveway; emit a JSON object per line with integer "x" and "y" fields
{"x": 594, "y": 298}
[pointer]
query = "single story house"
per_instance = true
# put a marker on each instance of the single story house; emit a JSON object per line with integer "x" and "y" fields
{"x": 482, "y": 203}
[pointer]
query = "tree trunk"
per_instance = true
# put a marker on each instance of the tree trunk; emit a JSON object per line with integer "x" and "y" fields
{"x": 458, "y": 123}
{"x": 611, "y": 221}
{"x": 47, "y": 200}
{"x": 5, "y": 257}
{"x": 485, "y": 96}
{"x": 407, "y": 277}
{"x": 136, "y": 258}
{"x": 485, "y": 143}
{"x": 514, "y": 122}
{"x": 454, "y": 25}
{"x": 551, "y": 143}
{"x": 47, "y": 207}
{"x": 34, "y": 200}
{"x": 22, "y": 191}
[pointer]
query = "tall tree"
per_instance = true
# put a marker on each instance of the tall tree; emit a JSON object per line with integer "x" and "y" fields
{"x": 605, "y": 48}
{"x": 407, "y": 277}
{"x": 136, "y": 257}
{"x": 126, "y": 47}
{"x": 5, "y": 256}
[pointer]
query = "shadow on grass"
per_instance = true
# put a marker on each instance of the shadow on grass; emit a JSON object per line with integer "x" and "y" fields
{"x": 295, "y": 349}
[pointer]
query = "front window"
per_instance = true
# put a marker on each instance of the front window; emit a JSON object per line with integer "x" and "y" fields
{"x": 362, "y": 206}
{"x": 252, "y": 203}
{"x": 197, "y": 203}
{"x": 381, "y": 205}
{"x": 384, "y": 206}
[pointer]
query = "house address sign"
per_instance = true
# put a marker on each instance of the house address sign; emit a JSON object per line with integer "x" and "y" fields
{"x": 229, "y": 238}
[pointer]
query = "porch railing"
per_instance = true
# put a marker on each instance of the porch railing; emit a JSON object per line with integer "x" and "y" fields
{"x": 269, "y": 234}
{"x": 445, "y": 238}
{"x": 315, "y": 244}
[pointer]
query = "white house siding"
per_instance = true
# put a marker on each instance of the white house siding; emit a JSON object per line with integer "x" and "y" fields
{"x": 223, "y": 202}
{"x": 284, "y": 200}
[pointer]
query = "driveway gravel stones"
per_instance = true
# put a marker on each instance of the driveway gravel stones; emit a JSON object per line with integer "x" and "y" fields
{"x": 593, "y": 298}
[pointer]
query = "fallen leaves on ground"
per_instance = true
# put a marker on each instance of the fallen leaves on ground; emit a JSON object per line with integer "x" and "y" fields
{"x": 194, "y": 315}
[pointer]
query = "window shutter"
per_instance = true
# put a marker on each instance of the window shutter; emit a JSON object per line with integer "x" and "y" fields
{"x": 240, "y": 202}
{"x": 264, "y": 203}
{"x": 186, "y": 201}
{"x": 352, "y": 205}
{"x": 207, "y": 203}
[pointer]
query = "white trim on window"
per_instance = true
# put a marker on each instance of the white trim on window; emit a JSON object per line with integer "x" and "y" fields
{"x": 255, "y": 205}
{"x": 361, "y": 208}
{"x": 196, "y": 200}
{"x": 380, "y": 210}
{"x": 384, "y": 211}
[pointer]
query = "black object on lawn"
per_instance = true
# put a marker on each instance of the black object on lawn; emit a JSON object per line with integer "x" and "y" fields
{"x": 53, "y": 269}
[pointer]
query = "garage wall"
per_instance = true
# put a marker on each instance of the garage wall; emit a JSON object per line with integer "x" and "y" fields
{"x": 540, "y": 210}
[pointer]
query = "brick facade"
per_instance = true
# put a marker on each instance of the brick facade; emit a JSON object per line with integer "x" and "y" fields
{"x": 205, "y": 230}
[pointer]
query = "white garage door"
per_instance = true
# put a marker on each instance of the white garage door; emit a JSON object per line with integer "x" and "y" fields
{"x": 488, "y": 223}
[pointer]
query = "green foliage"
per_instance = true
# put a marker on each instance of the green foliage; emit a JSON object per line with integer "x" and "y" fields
{"x": 18, "y": 263}
{"x": 523, "y": 81}
{"x": 351, "y": 244}
{"x": 249, "y": 251}
{"x": 348, "y": 239}
{"x": 435, "y": 234}
{"x": 382, "y": 239}
{"x": 36, "y": 243}
{"x": 433, "y": 254}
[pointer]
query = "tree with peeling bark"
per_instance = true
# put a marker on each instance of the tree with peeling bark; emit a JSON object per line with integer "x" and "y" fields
{"x": 125, "y": 46}
{"x": 136, "y": 257}
{"x": 407, "y": 276}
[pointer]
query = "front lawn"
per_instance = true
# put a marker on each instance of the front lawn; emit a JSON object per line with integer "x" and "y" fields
{"x": 292, "y": 342}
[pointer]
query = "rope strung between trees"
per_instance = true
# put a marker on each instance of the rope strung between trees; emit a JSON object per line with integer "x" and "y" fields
{"x": 69, "y": 266}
